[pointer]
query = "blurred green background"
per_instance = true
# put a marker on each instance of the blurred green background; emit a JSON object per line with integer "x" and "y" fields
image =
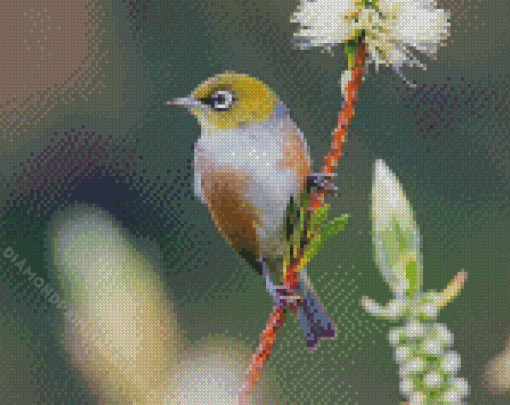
{"x": 447, "y": 141}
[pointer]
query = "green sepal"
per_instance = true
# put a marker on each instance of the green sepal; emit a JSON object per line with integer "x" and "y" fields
{"x": 350, "y": 49}
{"x": 319, "y": 218}
{"x": 335, "y": 226}
{"x": 316, "y": 223}
{"x": 313, "y": 248}
{"x": 327, "y": 232}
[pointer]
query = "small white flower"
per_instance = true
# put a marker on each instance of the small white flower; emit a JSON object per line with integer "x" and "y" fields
{"x": 429, "y": 305}
{"x": 432, "y": 379}
{"x": 459, "y": 390}
{"x": 416, "y": 398}
{"x": 461, "y": 386}
{"x": 444, "y": 336}
{"x": 450, "y": 362}
{"x": 396, "y": 308}
{"x": 406, "y": 386}
{"x": 432, "y": 347}
{"x": 393, "y": 28}
{"x": 373, "y": 307}
{"x": 414, "y": 329}
{"x": 430, "y": 310}
{"x": 412, "y": 366}
{"x": 453, "y": 397}
{"x": 394, "y": 336}
{"x": 402, "y": 353}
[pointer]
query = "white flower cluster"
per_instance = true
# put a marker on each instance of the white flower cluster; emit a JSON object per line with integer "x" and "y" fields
{"x": 424, "y": 306}
{"x": 428, "y": 367}
{"x": 393, "y": 28}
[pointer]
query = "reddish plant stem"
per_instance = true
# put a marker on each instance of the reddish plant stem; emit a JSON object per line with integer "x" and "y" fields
{"x": 279, "y": 314}
{"x": 337, "y": 140}
{"x": 266, "y": 342}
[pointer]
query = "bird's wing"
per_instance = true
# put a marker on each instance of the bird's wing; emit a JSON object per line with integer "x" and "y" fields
{"x": 198, "y": 161}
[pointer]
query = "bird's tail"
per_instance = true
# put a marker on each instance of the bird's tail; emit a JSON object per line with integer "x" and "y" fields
{"x": 313, "y": 319}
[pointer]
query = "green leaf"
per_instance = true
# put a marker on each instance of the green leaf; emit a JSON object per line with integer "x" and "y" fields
{"x": 350, "y": 50}
{"x": 335, "y": 226}
{"x": 328, "y": 231}
{"x": 318, "y": 218}
{"x": 351, "y": 47}
{"x": 313, "y": 248}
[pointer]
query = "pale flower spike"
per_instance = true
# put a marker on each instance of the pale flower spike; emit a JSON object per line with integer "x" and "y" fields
{"x": 395, "y": 232}
{"x": 428, "y": 366}
{"x": 393, "y": 28}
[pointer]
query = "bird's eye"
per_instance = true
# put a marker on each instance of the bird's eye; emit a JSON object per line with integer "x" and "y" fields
{"x": 222, "y": 100}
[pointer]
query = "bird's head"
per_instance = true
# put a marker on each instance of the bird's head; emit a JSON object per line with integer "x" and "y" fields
{"x": 230, "y": 100}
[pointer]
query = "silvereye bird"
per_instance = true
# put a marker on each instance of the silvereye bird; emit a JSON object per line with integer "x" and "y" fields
{"x": 250, "y": 161}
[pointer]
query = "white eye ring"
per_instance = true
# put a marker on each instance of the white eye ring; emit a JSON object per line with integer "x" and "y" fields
{"x": 222, "y": 100}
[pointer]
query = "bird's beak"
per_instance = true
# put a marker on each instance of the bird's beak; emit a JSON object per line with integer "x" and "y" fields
{"x": 187, "y": 102}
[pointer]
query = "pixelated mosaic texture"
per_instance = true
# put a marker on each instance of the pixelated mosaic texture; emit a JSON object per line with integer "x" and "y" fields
{"x": 96, "y": 196}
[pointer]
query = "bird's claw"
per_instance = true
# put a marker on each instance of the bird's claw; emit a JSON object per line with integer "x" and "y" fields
{"x": 322, "y": 181}
{"x": 287, "y": 298}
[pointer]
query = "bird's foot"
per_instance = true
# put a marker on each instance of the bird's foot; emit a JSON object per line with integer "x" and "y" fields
{"x": 287, "y": 298}
{"x": 322, "y": 181}
{"x": 282, "y": 296}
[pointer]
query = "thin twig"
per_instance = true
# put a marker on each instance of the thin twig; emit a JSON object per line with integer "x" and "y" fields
{"x": 316, "y": 200}
{"x": 338, "y": 138}
{"x": 267, "y": 340}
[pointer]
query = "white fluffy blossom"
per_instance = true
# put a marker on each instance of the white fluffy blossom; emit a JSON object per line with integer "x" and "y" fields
{"x": 393, "y": 28}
